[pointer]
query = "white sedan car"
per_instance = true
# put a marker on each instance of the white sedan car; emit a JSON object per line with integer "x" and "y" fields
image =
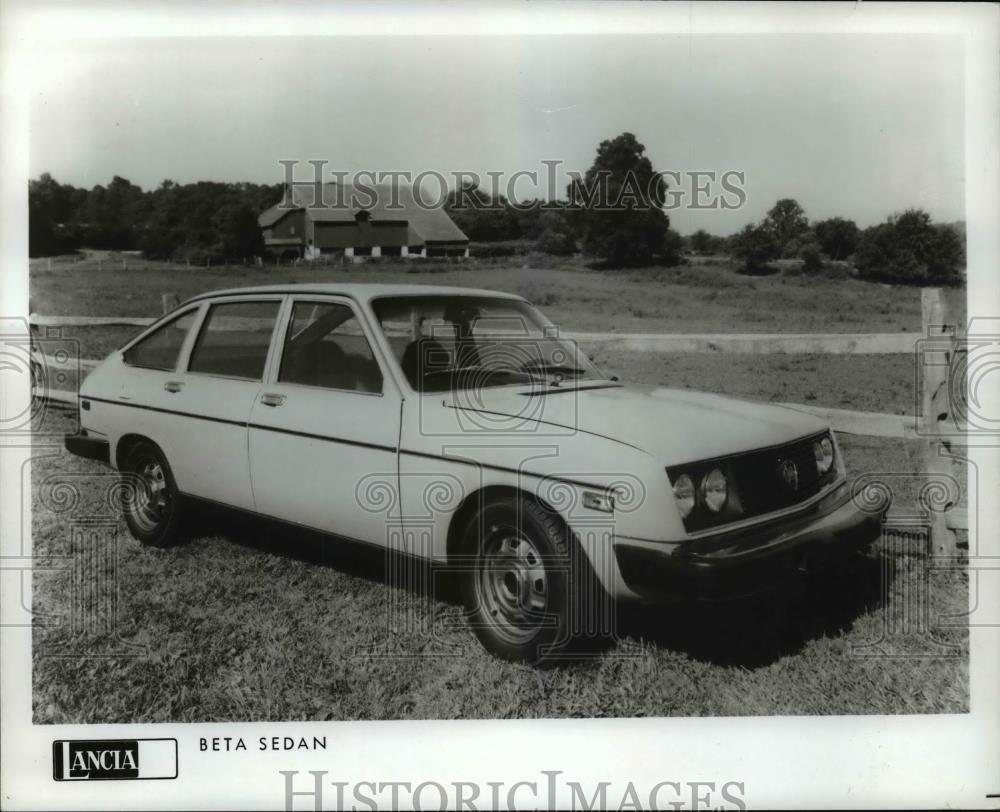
{"x": 456, "y": 425}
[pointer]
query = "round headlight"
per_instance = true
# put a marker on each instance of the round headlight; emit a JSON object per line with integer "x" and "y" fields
{"x": 823, "y": 449}
{"x": 715, "y": 490}
{"x": 684, "y": 494}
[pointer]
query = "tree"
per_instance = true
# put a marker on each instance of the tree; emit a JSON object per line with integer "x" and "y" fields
{"x": 482, "y": 217}
{"x": 673, "y": 246}
{"x": 49, "y": 207}
{"x": 837, "y": 237}
{"x": 208, "y": 220}
{"x": 909, "y": 248}
{"x": 701, "y": 241}
{"x": 620, "y": 201}
{"x": 755, "y": 246}
{"x": 788, "y": 223}
{"x": 239, "y": 234}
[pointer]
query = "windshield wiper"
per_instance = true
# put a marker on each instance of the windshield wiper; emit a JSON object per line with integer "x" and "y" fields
{"x": 556, "y": 369}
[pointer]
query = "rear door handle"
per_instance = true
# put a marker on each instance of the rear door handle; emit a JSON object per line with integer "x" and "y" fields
{"x": 272, "y": 399}
{"x": 173, "y": 386}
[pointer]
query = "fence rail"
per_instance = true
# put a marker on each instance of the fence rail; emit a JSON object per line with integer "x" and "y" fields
{"x": 756, "y": 343}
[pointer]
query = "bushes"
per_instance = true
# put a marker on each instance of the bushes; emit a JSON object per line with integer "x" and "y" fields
{"x": 906, "y": 249}
{"x": 556, "y": 235}
{"x": 812, "y": 260}
{"x": 755, "y": 246}
{"x": 501, "y": 248}
{"x": 837, "y": 237}
{"x": 909, "y": 249}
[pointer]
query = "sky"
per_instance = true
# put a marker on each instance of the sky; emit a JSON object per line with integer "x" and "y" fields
{"x": 860, "y": 126}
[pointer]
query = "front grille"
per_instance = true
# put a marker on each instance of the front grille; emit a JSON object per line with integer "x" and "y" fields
{"x": 760, "y": 482}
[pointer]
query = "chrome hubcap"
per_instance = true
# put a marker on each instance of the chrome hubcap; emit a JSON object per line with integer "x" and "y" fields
{"x": 152, "y": 497}
{"x": 511, "y": 583}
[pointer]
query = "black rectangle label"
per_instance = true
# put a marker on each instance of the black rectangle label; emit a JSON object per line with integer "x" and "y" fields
{"x": 113, "y": 759}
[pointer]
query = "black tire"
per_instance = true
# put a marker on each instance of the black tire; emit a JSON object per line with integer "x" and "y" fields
{"x": 521, "y": 578}
{"x": 152, "y": 504}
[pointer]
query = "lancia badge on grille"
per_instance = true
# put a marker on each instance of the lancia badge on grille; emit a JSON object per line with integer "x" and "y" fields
{"x": 790, "y": 473}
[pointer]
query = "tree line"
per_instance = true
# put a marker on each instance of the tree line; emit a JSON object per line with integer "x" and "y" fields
{"x": 218, "y": 221}
{"x": 907, "y": 248}
{"x": 191, "y": 221}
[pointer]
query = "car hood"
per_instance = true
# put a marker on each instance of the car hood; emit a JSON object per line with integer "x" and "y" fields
{"x": 674, "y": 425}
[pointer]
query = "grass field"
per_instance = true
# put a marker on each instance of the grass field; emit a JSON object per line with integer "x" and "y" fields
{"x": 244, "y": 624}
{"x": 684, "y": 299}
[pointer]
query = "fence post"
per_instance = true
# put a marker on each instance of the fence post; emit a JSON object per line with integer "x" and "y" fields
{"x": 170, "y": 301}
{"x": 936, "y": 408}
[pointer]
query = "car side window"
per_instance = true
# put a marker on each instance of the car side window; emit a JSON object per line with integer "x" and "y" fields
{"x": 234, "y": 340}
{"x": 325, "y": 346}
{"x": 161, "y": 348}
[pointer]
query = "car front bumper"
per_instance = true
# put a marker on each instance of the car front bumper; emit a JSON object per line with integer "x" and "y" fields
{"x": 90, "y": 448}
{"x": 748, "y": 563}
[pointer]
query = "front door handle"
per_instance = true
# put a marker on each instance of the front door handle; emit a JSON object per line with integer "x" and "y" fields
{"x": 173, "y": 386}
{"x": 272, "y": 399}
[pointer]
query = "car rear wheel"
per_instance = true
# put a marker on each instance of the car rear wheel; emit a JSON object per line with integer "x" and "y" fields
{"x": 152, "y": 504}
{"x": 518, "y": 581}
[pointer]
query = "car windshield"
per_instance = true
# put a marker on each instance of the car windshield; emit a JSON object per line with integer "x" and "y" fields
{"x": 463, "y": 342}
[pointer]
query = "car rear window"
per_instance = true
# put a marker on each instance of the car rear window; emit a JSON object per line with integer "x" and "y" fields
{"x": 161, "y": 348}
{"x": 234, "y": 340}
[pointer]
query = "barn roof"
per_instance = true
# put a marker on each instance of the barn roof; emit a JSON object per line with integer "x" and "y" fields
{"x": 340, "y": 203}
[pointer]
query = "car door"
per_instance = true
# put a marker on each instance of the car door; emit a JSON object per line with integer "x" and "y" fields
{"x": 211, "y": 399}
{"x": 140, "y": 396}
{"x": 324, "y": 430}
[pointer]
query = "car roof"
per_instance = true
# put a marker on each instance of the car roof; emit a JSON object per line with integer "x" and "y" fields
{"x": 360, "y": 292}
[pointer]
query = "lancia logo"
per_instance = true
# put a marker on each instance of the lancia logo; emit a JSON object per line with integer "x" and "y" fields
{"x": 790, "y": 473}
{"x": 113, "y": 759}
{"x": 96, "y": 760}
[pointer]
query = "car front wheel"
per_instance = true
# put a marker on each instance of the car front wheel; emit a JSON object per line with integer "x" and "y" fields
{"x": 152, "y": 505}
{"x": 519, "y": 569}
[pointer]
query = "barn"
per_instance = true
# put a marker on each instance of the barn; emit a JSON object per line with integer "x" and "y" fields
{"x": 340, "y": 220}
